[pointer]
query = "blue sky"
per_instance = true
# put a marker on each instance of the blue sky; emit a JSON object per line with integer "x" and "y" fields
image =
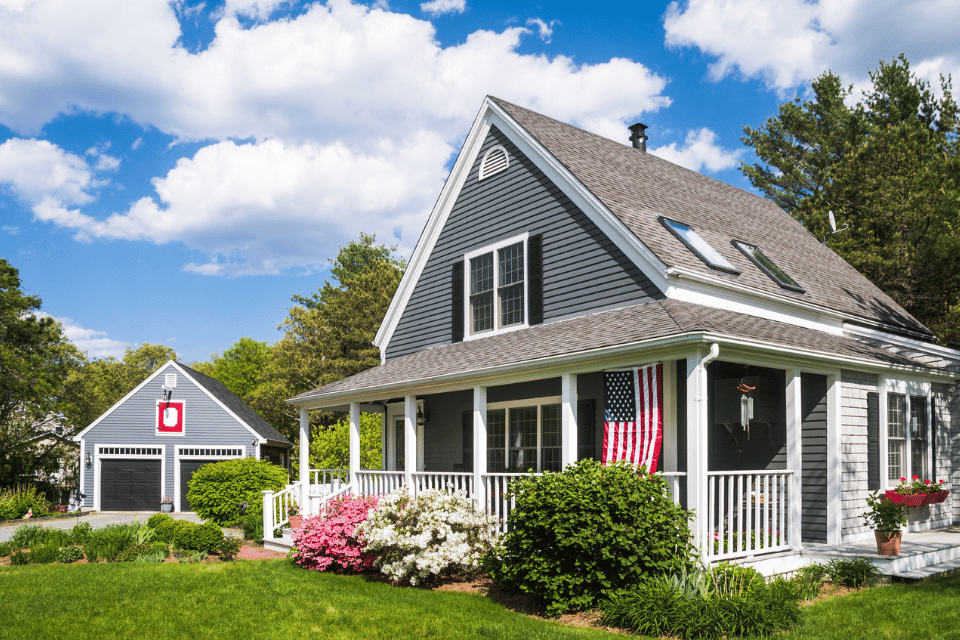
{"x": 173, "y": 172}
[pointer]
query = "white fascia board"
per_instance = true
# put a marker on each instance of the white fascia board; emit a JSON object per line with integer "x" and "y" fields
{"x": 431, "y": 232}
{"x": 206, "y": 392}
{"x": 756, "y": 351}
{"x": 930, "y": 348}
{"x": 126, "y": 397}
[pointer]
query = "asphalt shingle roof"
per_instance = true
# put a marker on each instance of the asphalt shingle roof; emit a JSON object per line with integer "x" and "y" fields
{"x": 638, "y": 187}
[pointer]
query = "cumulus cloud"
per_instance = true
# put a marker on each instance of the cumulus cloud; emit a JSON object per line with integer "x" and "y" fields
{"x": 350, "y": 114}
{"x": 94, "y": 343}
{"x": 438, "y": 7}
{"x": 544, "y": 30}
{"x": 699, "y": 151}
{"x": 37, "y": 171}
{"x": 789, "y": 42}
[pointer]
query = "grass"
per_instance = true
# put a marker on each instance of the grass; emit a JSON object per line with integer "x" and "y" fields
{"x": 916, "y": 611}
{"x": 250, "y": 600}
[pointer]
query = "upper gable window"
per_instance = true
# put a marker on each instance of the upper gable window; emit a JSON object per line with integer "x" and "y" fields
{"x": 692, "y": 240}
{"x": 768, "y": 266}
{"x": 494, "y": 161}
{"x": 497, "y": 287}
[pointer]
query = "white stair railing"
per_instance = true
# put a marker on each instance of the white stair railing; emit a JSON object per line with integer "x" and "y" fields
{"x": 276, "y": 508}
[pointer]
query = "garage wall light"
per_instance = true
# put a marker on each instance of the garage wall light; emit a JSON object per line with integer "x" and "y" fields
{"x": 89, "y": 461}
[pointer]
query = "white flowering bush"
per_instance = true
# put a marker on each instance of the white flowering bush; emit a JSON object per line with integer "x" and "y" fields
{"x": 436, "y": 534}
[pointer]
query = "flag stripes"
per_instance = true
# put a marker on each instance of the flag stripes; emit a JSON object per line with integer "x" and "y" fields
{"x": 633, "y": 421}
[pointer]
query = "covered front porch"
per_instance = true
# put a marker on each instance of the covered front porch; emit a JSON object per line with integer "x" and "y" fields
{"x": 758, "y": 464}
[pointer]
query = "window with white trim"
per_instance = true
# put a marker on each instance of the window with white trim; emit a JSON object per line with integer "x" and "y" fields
{"x": 523, "y": 436}
{"x": 896, "y": 435}
{"x": 496, "y": 286}
{"x": 918, "y": 437}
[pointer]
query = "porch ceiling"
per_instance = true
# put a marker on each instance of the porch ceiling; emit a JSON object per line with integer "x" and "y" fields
{"x": 638, "y": 333}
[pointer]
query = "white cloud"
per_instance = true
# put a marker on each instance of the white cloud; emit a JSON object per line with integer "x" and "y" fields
{"x": 789, "y": 42}
{"x": 94, "y": 343}
{"x": 36, "y": 170}
{"x": 352, "y": 113}
{"x": 698, "y": 152}
{"x": 438, "y": 7}
{"x": 544, "y": 30}
{"x": 12, "y": 231}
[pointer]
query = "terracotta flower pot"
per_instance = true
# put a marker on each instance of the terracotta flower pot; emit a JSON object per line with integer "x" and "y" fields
{"x": 888, "y": 542}
{"x": 295, "y": 521}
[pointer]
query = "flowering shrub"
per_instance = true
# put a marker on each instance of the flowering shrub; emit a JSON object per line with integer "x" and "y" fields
{"x": 435, "y": 534}
{"x": 330, "y": 541}
{"x": 915, "y": 487}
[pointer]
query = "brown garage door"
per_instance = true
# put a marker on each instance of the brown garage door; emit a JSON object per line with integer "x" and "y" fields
{"x": 129, "y": 485}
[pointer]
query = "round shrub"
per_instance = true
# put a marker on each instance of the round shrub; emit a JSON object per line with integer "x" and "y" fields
{"x": 45, "y": 554}
{"x": 582, "y": 535}
{"x": 80, "y": 532}
{"x": 164, "y": 530}
{"x": 331, "y": 541}
{"x": 154, "y": 521}
{"x": 433, "y": 535}
{"x": 197, "y": 537}
{"x": 70, "y": 554}
{"x": 217, "y": 490}
{"x": 229, "y": 548}
{"x": 132, "y": 553}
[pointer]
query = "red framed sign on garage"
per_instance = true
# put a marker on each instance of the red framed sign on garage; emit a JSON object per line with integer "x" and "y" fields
{"x": 170, "y": 417}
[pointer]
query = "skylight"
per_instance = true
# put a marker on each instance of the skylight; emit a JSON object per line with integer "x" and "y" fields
{"x": 692, "y": 240}
{"x": 768, "y": 266}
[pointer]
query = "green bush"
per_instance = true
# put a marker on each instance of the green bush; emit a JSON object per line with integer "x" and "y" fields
{"x": 229, "y": 548}
{"x": 79, "y": 533}
{"x": 164, "y": 530}
{"x": 16, "y": 502}
{"x": 27, "y": 536}
{"x": 854, "y": 573}
{"x": 580, "y": 536}
{"x": 70, "y": 554}
{"x": 198, "y": 537}
{"x": 19, "y": 558}
{"x": 252, "y": 523}
{"x": 132, "y": 553}
{"x": 156, "y": 519}
{"x": 152, "y": 557}
{"x": 217, "y": 490}
{"x": 809, "y": 580}
{"x": 4, "y": 549}
{"x": 107, "y": 542}
{"x": 717, "y": 604}
{"x": 45, "y": 554}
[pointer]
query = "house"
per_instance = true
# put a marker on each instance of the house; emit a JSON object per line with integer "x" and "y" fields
{"x": 60, "y": 481}
{"x": 792, "y": 387}
{"x": 149, "y": 444}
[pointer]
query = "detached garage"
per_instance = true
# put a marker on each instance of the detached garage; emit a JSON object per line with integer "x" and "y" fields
{"x": 147, "y": 447}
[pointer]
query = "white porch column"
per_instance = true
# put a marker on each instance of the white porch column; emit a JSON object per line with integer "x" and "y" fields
{"x": 794, "y": 456}
{"x": 568, "y": 417}
{"x": 697, "y": 448}
{"x": 304, "y": 498}
{"x": 479, "y": 446}
{"x": 409, "y": 440}
{"x": 354, "y": 447}
{"x": 834, "y": 461}
{"x": 669, "y": 409}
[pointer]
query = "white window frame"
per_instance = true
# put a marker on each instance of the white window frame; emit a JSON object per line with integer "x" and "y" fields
{"x": 539, "y": 403}
{"x": 910, "y": 389}
{"x": 468, "y": 333}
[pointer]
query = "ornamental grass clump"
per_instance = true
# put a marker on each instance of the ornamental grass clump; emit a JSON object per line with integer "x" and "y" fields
{"x": 580, "y": 536}
{"x": 330, "y": 541}
{"x": 430, "y": 536}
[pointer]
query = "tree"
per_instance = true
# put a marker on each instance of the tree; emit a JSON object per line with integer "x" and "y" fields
{"x": 35, "y": 359}
{"x": 241, "y": 368}
{"x": 888, "y": 168}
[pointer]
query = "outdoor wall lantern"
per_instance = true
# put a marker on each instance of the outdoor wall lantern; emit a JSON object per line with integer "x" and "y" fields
{"x": 89, "y": 461}
{"x": 422, "y": 416}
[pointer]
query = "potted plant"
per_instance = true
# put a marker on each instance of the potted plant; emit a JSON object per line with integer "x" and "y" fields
{"x": 916, "y": 493}
{"x": 885, "y": 517}
{"x": 166, "y": 504}
{"x": 293, "y": 513}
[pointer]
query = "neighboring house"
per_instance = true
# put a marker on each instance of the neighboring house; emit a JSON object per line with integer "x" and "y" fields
{"x": 149, "y": 444}
{"x": 63, "y": 480}
{"x": 554, "y": 255}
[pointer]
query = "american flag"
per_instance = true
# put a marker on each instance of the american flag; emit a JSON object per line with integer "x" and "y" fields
{"x": 633, "y": 420}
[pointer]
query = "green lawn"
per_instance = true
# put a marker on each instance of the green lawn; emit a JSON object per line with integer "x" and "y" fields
{"x": 244, "y": 600}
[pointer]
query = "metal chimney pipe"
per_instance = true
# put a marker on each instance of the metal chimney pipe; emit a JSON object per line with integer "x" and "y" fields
{"x": 638, "y": 136}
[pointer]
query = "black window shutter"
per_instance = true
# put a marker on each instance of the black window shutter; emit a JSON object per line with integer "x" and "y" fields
{"x": 467, "y": 440}
{"x": 873, "y": 441}
{"x": 535, "y": 271}
{"x": 585, "y": 429}
{"x": 456, "y": 323}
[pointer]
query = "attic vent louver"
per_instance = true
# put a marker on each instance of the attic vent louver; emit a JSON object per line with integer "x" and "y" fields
{"x": 170, "y": 380}
{"x": 494, "y": 161}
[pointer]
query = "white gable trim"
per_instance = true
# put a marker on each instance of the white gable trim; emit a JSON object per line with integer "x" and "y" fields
{"x": 171, "y": 363}
{"x": 492, "y": 114}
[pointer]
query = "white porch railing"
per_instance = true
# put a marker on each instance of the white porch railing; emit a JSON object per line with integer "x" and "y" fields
{"x": 495, "y": 488}
{"x": 371, "y": 483}
{"x": 453, "y": 481}
{"x": 673, "y": 480}
{"x": 747, "y": 513}
{"x": 328, "y": 478}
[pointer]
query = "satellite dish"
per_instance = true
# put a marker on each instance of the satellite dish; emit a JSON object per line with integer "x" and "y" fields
{"x": 833, "y": 222}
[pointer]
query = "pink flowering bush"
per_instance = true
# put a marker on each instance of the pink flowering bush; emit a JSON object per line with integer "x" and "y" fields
{"x": 330, "y": 541}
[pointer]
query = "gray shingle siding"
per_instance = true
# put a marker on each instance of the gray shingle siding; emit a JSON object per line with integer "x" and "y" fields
{"x": 814, "y": 458}
{"x": 853, "y": 433}
{"x": 206, "y": 424}
{"x": 582, "y": 269}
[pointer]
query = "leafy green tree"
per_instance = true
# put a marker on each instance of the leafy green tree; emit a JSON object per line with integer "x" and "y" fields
{"x": 241, "y": 368}
{"x": 330, "y": 446}
{"x": 35, "y": 359}
{"x": 888, "y": 168}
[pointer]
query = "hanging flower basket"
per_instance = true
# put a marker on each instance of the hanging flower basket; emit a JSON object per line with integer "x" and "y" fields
{"x": 916, "y": 499}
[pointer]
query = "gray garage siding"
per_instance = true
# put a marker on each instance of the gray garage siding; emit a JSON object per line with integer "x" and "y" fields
{"x": 134, "y": 423}
{"x": 582, "y": 269}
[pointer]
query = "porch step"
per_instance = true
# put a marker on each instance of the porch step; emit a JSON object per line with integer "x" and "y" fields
{"x": 282, "y": 544}
{"x": 921, "y": 574}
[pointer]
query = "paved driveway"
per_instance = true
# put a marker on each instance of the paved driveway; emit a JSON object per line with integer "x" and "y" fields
{"x": 95, "y": 519}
